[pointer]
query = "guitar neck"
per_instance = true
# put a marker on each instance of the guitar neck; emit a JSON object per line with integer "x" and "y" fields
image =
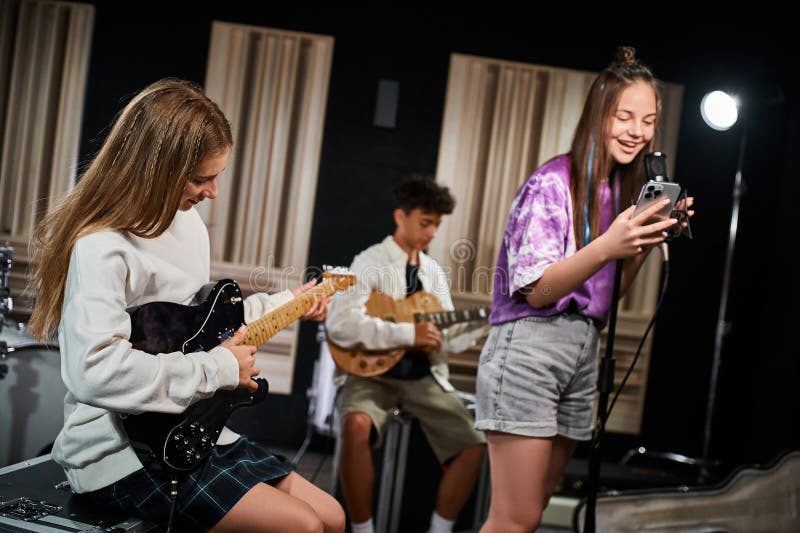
{"x": 448, "y": 318}
{"x": 266, "y": 327}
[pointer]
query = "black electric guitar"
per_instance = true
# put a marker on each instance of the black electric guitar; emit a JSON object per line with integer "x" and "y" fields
{"x": 180, "y": 442}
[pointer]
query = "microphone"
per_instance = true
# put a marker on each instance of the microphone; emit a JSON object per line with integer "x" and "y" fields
{"x": 655, "y": 166}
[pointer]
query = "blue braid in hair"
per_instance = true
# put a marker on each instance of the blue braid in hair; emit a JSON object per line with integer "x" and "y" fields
{"x": 587, "y": 228}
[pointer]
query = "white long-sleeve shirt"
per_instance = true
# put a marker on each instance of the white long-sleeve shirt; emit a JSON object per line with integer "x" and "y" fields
{"x": 109, "y": 272}
{"x": 382, "y": 267}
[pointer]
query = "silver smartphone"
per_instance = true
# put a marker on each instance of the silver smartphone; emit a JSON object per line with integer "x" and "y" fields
{"x": 654, "y": 191}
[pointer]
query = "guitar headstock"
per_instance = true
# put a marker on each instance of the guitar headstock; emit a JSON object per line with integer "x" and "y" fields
{"x": 340, "y": 278}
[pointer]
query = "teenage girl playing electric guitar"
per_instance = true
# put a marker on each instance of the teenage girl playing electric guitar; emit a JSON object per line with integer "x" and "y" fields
{"x": 126, "y": 235}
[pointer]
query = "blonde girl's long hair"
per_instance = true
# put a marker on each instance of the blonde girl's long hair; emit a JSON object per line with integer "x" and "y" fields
{"x": 588, "y": 144}
{"x": 134, "y": 184}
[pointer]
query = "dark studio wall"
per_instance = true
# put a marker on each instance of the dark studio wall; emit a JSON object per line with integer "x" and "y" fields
{"x": 758, "y": 401}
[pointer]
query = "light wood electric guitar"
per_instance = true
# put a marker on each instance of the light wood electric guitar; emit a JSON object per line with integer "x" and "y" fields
{"x": 419, "y": 307}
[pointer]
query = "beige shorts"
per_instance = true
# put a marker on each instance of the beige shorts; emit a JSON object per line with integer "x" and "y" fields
{"x": 444, "y": 419}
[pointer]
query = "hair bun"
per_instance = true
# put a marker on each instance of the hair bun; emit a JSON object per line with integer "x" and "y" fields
{"x": 626, "y": 56}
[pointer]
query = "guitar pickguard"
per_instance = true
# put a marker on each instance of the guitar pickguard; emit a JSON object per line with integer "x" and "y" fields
{"x": 181, "y": 442}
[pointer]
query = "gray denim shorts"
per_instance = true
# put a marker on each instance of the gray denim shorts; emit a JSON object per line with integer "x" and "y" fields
{"x": 537, "y": 377}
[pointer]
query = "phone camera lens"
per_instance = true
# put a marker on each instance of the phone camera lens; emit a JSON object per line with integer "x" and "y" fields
{"x": 657, "y": 194}
{"x": 651, "y": 187}
{"x": 647, "y": 195}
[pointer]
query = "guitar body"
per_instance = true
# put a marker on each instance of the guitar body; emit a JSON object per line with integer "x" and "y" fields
{"x": 382, "y": 306}
{"x": 164, "y": 327}
{"x": 180, "y": 442}
{"x": 359, "y": 361}
{"x": 751, "y": 499}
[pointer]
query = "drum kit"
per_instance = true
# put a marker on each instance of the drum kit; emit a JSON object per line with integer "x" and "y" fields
{"x": 31, "y": 390}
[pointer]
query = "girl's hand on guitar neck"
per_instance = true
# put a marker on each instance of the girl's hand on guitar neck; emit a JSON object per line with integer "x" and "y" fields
{"x": 427, "y": 336}
{"x": 245, "y": 356}
{"x": 319, "y": 309}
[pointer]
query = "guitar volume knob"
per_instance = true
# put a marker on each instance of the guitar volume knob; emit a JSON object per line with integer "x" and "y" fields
{"x": 179, "y": 441}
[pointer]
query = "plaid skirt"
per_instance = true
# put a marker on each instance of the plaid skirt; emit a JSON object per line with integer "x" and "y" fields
{"x": 204, "y": 496}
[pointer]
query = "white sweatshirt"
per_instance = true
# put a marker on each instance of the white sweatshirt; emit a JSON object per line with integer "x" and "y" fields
{"x": 108, "y": 273}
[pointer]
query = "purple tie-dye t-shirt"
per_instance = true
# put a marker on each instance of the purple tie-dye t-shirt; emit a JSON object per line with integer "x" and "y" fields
{"x": 538, "y": 234}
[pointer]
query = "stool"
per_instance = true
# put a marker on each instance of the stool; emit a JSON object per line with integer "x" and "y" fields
{"x": 393, "y": 471}
{"x": 393, "y": 477}
{"x": 393, "y": 463}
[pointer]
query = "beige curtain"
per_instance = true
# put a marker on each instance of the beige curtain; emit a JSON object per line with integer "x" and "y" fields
{"x": 44, "y": 56}
{"x": 273, "y": 86}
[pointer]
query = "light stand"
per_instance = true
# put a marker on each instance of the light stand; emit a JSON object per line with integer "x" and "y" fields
{"x": 723, "y": 327}
{"x": 321, "y": 396}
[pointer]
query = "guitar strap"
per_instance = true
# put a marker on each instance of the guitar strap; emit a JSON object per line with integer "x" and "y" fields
{"x": 413, "y": 365}
{"x": 412, "y": 279}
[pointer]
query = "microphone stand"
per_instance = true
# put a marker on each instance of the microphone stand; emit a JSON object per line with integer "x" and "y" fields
{"x": 656, "y": 170}
{"x": 605, "y": 384}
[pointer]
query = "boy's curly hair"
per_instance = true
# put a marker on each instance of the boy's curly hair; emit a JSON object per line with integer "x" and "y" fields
{"x": 419, "y": 191}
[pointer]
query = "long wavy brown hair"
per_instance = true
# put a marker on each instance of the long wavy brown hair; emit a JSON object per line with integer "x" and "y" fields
{"x": 134, "y": 184}
{"x": 595, "y": 120}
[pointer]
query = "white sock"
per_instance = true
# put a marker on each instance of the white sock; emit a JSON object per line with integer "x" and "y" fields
{"x": 362, "y": 527}
{"x": 440, "y": 524}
